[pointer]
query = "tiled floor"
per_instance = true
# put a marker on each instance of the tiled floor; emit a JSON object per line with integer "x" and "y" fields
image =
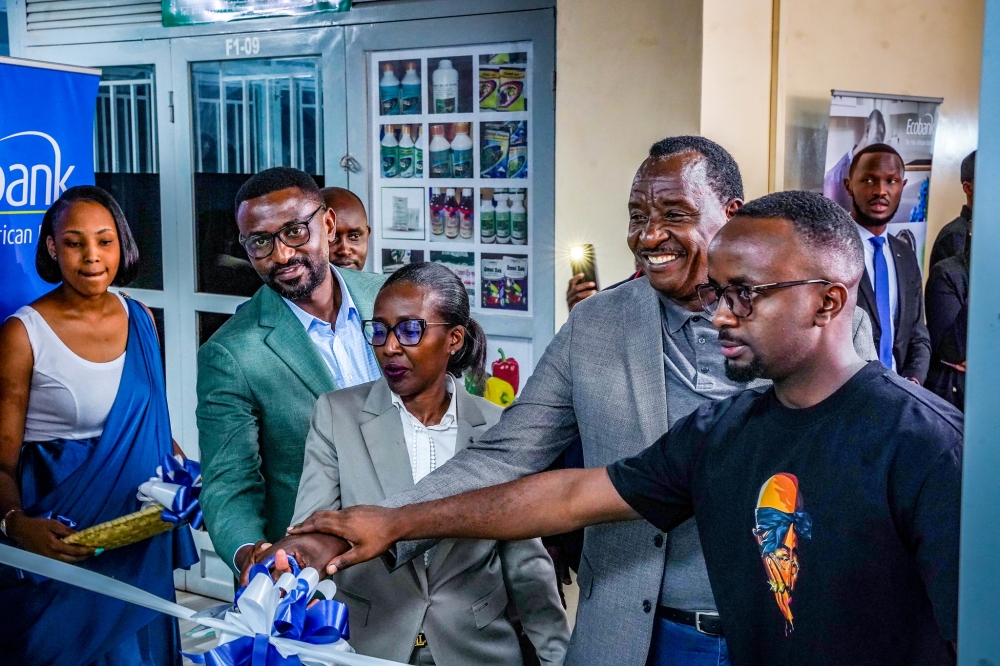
{"x": 202, "y": 640}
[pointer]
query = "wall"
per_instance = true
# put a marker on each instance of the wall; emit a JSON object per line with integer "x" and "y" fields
{"x": 754, "y": 75}
{"x": 629, "y": 73}
{"x": 736, "y": 84}
{"x": 909, "y": 47}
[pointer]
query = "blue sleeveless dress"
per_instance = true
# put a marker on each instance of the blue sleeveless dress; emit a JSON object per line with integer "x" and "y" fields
{"x": 48, "y": 623}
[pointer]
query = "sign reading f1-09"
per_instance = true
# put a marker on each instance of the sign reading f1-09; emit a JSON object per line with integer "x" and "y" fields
{"x": 46, "y": 146}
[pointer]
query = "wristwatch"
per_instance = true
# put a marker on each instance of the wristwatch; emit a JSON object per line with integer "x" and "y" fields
{"x": 3, "y": 521}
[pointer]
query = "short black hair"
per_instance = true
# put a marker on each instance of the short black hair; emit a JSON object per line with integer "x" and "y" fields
{"x": 723, "y": 173}
{"x": 876, "y": 148}
{"x": 968, "y": 170}
{"x": 276, "y": 179}
{"x": 818, "y": 221}
{"x": 128, "y": 263}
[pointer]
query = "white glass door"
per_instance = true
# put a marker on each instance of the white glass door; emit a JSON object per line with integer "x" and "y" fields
{"x": 243, "y": 103}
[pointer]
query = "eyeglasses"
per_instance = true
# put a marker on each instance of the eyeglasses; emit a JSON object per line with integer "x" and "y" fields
{"x": 739, "y": 297}
{"x": 409, "y": 332}
{"x": 294, "y": 234}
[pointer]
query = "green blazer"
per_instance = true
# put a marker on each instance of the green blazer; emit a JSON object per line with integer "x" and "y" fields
{"x": 259, "y": 378}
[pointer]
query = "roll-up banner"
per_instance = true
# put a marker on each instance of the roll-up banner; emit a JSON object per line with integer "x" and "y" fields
{"x": 907, "y": 124}
{"x": 46, "y": 146}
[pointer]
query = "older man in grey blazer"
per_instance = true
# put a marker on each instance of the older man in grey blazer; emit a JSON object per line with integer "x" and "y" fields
{"x": 628, "y": 364}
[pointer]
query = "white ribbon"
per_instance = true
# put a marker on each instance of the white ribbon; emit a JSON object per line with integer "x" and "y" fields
{"x": 260, "y": 601}
{"x": 260, "y": 606}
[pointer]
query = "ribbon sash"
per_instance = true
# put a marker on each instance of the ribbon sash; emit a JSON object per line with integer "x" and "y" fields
{"x": 95, "y": 582}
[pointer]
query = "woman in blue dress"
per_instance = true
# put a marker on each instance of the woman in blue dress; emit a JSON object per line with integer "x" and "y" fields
{"x": 83, "y": 421}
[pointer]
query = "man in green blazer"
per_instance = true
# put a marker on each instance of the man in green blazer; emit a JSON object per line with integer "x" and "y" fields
{"x": 259, "y": 376}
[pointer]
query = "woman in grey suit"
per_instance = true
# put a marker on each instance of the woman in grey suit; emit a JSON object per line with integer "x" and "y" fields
{"x": 453, "y": 606}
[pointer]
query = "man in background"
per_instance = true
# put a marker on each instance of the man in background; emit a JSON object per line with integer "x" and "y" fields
{"x": 349, "y": 243}
{"x": 833, "y": 183}
{"x": 261, "y": 373}
{"x": 891, "y": 290}
{"x": 951, "y": 239}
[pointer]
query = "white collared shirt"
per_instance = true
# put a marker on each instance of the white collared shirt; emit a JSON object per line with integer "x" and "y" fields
{"x": 343, "y": 347}
{"x": 429, "y": 447}
{"x": 890, "y": 261}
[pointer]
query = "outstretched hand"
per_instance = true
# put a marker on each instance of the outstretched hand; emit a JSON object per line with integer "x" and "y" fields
{"x": 309, "y": 550}
{"x": 369, "y": 529}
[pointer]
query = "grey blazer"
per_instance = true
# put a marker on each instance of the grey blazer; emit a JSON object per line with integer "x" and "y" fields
{"x": 601, "y": 378}
{"x": 355, "y": 454}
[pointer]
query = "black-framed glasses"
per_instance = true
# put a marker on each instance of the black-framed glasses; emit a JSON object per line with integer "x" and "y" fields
{"x": 294, "y": 234}
{"x": 409, "y": 332}
{"x": 739, "y": 297}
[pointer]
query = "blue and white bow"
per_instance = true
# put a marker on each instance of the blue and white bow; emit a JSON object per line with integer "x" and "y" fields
{"x": 297, "y": 608}
{"x": 176, "y": 487}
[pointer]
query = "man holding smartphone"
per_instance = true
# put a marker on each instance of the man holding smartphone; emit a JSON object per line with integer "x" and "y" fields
{"x": 629, "y": 363}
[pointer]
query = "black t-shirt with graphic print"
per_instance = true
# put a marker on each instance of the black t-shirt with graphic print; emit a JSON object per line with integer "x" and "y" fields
{"x": 830, "y": 533}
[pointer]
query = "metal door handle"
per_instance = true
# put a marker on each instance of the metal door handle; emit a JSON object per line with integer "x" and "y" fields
{"x": 349, "y": 164}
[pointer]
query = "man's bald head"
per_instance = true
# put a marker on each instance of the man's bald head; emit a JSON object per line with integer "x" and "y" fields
{"x": 349, "y": 245}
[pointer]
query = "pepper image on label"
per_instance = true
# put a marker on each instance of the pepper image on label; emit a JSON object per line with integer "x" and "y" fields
{"x": 508, "y": 370}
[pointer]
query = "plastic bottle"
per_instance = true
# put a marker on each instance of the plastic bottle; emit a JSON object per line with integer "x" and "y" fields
{"x": 390, "y": 153}
{"x": 518, "y": 220}
{"x": 409, "y": 95}
{"x": 487, "y": 221}
{"x": 466, "y": 222}
{"x": 452, "y": 220}
{"x": 461, "y": 152}
{"x": 437, "y": 212}
{"x": 419, "y": 146}
{"x": 440, "y": 153}
{"x": 502, "y": 218}
{"x": 445, "y": 85}
{"x": 388, "y": 91}
{"x": 405, "y": 153}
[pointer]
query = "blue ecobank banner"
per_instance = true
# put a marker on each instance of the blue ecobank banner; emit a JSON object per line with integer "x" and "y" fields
{"x": 46, "y": 146}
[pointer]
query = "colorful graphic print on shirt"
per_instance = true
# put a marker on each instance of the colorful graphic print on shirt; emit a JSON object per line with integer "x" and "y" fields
{"x": 780, "y": 524}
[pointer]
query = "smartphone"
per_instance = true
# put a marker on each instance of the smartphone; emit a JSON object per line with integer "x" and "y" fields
{"x": 582, "y": 260}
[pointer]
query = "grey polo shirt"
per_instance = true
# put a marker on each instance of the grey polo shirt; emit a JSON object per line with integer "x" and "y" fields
{"x": 695, "y": 373}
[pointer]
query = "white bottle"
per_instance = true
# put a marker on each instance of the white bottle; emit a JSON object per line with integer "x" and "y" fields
{"x": 388, "y": 91}
{"x": 409, "y": 95}
{"x": 419, "y": 146}
{"x": 518, "y": 220}
{"x": 461, "y": 152}
{"x": 502, "y": 218}
{"x": 445, "y": 85}
{"x": 440, "y": 153}
{"x": 390, "y": 153}
{"x": 487, "y": 221}
{"x": 405, "y": 154}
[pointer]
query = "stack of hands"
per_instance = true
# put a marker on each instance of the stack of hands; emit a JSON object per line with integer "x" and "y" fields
{"x": 327, "y": 541}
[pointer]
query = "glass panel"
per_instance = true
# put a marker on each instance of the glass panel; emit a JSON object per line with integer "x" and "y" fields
{"x": 249, "y": 115}
{"x": 125, "y": 160}
{"x": 161, "y": 332}
{"x": 209, "y": 323}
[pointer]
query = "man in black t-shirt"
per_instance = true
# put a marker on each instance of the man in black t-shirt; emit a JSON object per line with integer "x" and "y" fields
{"x": 828, "y": 505}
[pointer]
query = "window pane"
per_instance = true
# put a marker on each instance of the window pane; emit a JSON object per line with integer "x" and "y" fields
{"x": 125, "y": 160}
{"x": 209, "y": 323}
{"x": 249, "y": 115}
